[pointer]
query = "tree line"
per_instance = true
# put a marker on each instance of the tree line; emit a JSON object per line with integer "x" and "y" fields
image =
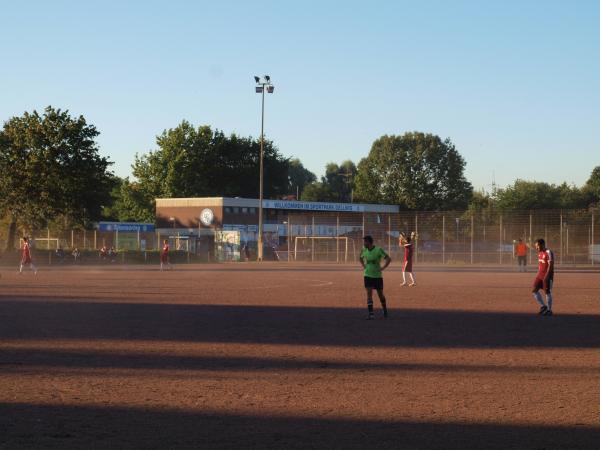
{"x": 51, "y": 173}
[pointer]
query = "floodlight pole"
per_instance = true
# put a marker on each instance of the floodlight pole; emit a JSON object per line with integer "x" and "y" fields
{"x": 260, "y": 87}
{"x": 260, "y": 194}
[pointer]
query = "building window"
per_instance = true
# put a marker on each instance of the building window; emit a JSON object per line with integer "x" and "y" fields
{"x": 244, "y": 210}
{"x": 252, "y": 210}
{"x": 236, "y": 210}
{"x": 228, "y": 210}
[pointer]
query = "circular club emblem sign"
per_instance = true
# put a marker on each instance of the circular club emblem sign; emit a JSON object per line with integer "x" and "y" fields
{"x": 207, "y": 216}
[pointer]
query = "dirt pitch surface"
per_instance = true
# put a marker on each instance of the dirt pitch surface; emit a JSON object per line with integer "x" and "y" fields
{"x": 280, "y": 356}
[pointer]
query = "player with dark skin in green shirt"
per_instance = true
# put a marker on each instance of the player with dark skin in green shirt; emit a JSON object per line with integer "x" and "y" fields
{"x": 370, "y": 259}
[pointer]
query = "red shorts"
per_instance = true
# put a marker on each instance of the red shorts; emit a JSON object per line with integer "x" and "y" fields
{"x": 538, "y": 284}
{"x": 164, "y": 258}
{"x": 407, "y": 266}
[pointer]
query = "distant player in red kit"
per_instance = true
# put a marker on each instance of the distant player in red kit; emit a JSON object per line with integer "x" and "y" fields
{"x": 164, "y": 256}
{"x": 544, "y": 278}
{"x": 406, "y": 242}
{"x": 26, "y": 257}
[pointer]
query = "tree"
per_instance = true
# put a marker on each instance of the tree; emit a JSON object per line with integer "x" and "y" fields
{"x": 336, "y": 186}
{"x": 529, "y": 195}
{"x": 417, "y": 171}
{"x": 340, "y": 180}
{"x": 50, "y": 168}
{"x": 480, "y": 201}
{"x": 572, "y": 197}
{"x": 200, "y": 162}
{"x": 593, "y": 185}
{"x": 129, "y": 203}
{"x": 298, "y": 177}
{"x": 318, "y": 192}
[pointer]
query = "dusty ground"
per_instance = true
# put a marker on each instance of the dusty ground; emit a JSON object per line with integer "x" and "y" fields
{"x": 278, "y": 356}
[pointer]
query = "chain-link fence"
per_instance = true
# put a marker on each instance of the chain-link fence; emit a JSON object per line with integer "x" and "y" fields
{"x": 80, "y": 246}
{"x": 446, "y": 238}
{"x": 458, "y": 237}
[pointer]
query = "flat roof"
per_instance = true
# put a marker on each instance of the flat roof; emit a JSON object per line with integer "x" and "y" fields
{"x": 276, "y": 204}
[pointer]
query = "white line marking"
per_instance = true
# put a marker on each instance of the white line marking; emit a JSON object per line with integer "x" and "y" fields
{"x": 320, "y": 283}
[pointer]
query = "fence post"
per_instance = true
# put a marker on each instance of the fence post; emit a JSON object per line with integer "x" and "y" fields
{"x": 389, "y": 234}
{"x": 530, "y": 236}
{"x": 312, "y": 235}
{"x": 363, "y": 226}
{"x": 95, "y": 239}
{"x": 472, "y": 233}
{"x": 72, "y": 239}
{"x": 567, "y": 240}
{"x": 561, "y": 237}
{"x": 416, "y": 242}
{"x": 501, "y": 239}
{"x": 337, "y": 236}
{"x": 592, "y": 250}
{"x": 444, "y": 239}
{"x": 289, "y": 237}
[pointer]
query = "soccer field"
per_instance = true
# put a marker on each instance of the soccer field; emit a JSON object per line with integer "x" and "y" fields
{"x": 280, "y": 356}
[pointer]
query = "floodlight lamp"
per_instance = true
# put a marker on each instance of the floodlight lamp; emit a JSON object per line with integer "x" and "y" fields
{"x": 257, "y": 79}
{"x": 259, "y": 89}
{"x": 270, "y": 89}
{"x": 268, "y": 78}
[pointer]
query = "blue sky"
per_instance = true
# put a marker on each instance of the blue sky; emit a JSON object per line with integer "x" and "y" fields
{"x": 514, "y": 84}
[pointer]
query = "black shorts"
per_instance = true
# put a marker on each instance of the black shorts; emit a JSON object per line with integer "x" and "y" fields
{"x": 375, "y": 283}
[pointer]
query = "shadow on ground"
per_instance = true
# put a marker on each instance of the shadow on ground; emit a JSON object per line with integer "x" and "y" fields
{"x": 80, "y": 319}
{"x": 36, "y": 426}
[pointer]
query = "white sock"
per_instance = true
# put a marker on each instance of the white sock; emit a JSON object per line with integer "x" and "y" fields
{"x": 538, "y": 298}
{"x": 403, "y": 277}
{"x": 549, "y": 300}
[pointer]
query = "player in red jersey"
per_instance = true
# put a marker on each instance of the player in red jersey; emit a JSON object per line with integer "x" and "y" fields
{"x": 26, "y": 257}
{"x": 164, "y": 256}
{"x": 406, "y": 242}
{"x": 544, "y": 278}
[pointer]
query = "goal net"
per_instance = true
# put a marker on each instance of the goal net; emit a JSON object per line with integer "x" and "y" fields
{"x": 323, "y": 248}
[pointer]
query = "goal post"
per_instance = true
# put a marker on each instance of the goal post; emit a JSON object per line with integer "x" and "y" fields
{"x": 55, "y": 242}
{"x": 340, "y": 246}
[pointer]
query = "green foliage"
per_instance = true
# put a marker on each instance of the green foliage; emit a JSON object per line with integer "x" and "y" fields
{"x": 480, "y": 201}
{"x": 528, "y": 195}
{"x": 318, "y": 192}
{"x": 50, "y": 168}
{"x": 336, "y": 186}
{"x": 340, "y": 180}
{"x": 129, "y": 203}
{"x": 192, "y": 162}
{"x": 417, "y": 171}
{"x": 592, "y": 187}
{"x": 298, "y": 177}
